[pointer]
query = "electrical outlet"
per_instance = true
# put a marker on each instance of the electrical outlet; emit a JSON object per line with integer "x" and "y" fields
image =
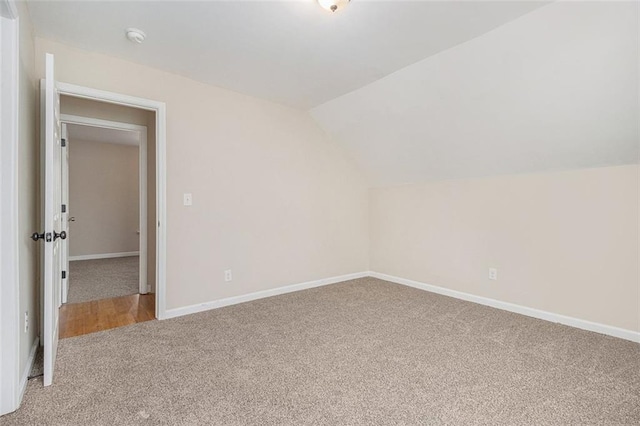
{"x": 227, "y": 275}
{"x": 187, "y": 199}
{"x": 26, "y": 321}
{"x": 493, "y": 274}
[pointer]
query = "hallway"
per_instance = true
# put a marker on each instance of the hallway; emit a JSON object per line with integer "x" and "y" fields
{"x": 103, "y": 278}
{"x": 104, "y": 294}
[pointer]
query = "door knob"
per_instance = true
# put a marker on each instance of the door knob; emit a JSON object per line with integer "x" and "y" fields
{"x": 62, "y": 235}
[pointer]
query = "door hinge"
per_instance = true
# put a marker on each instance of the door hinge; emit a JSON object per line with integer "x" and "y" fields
{"x": 64, "y": 208}
{"x": 64, "y": 275}
{"x": 63, "y": 141}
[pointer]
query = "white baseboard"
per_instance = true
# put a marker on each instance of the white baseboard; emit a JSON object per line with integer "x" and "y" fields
{"x": 214, "y": 304}
{"x": 27, "y": 369}
{"x": 104, "y": 255}
{"x": 621, "y": 333}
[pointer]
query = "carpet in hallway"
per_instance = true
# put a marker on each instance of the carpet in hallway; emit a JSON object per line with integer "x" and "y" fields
{"x": 103, "y": 278}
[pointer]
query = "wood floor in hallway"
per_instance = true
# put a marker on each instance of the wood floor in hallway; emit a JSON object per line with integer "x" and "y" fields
{"x": 77, "y": 319}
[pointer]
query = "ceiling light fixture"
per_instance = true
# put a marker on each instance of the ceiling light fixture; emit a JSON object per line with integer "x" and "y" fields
{"x": 333, "y": 5}
{"x": 135, "y": 35}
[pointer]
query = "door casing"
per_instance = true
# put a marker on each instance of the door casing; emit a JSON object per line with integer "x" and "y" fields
{"x": 161, "y": 175}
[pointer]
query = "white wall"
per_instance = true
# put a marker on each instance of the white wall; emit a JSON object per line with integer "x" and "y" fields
{"x": 103, "y": 198}
{"x": 28, "y": 187}
{"x": 273, "y": 198}
{"x": 278, "y": 203}
{"x": 556, "y": 89}
{"x": 563, "y": 242}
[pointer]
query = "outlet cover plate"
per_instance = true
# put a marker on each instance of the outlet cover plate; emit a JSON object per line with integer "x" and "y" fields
{"x": 493, "y": 274}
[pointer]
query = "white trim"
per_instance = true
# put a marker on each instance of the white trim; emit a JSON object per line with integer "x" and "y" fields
{"x": 64, "y": 193}
{"x": 9, "y": 217}
{"x": 506, "y": 306}
{"x": 638, "y": 162}
{"x": 161, "y": 172}
{"x": 96, "y": 122}
{"x": 27, "y": 368}
{"x": 215, "y": 304}
{"x": 621, "y": 333}
{"x": 104, "y": 256}
{"x": 110, "y": 97}
{"x": 143, "y": 285}
{"x": 161, "y": 211}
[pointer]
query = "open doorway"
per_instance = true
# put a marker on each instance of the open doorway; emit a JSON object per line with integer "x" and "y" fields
{"x": 108, "y": 192}
{"x": 106, "y": 204}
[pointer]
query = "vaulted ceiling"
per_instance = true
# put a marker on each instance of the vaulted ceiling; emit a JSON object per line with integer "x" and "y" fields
{"x": 413, "y": 90}
{"x": 556, "y": 89}
{"x": 292, "y": 52}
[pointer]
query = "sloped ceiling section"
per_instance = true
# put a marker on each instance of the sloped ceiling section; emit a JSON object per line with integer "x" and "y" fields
{"x": 289, "y": 51}
{"x": 555, "y": 89}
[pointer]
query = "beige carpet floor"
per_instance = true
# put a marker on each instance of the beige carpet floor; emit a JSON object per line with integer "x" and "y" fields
{"x": 103, "y": 278}
{"x": 360, "y": 352}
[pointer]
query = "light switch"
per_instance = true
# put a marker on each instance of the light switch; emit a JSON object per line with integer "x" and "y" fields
{"x": 187, "y": 199}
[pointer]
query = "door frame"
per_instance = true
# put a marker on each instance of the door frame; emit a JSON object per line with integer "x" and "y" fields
{"x": 10, "y": 380}
{"x": 159, "y": 108}
{"x": 143, "y": 285}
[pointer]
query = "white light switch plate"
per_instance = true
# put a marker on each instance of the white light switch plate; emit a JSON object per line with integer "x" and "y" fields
{"x": 187, "y": 199}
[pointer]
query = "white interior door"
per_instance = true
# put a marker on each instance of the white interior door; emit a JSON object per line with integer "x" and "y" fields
{"x": 64, "y": 164}
{"x": 52, "y": 217}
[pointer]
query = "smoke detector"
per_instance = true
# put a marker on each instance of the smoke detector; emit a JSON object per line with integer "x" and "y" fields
{"x": 135, "y": 35}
